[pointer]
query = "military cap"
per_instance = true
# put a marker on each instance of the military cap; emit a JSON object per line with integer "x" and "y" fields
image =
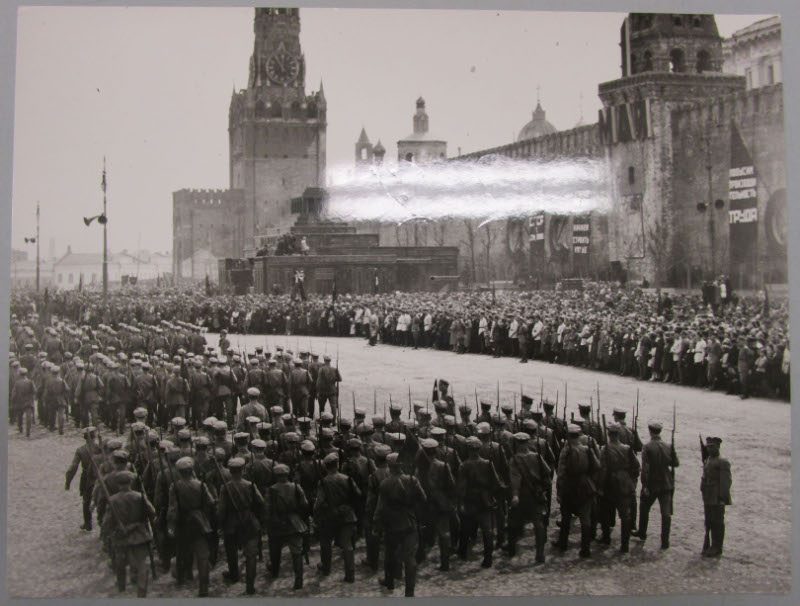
{"x": 89, "y": 430}
{"x": 125, "y": 478}
{"x": 530, "y": 424}
{"x": 235, "y": 463}
{"x": 327, "y": 358}
{"x": 297, "y": 361}
{"x": 120, "y": 453}
{"x": 429, "y": 443}
{"x": 240, "y": 436}
{"x": 137, "y": 427}
{"x": 655, "y": 427}
{"x": 276, "y": 411}
{"x": 79, "y": 364}
{"x": 440, "y": 405}
{"x": 526, "y": 400}
{"x": 613, "y": 428}
{"x": 713, "y": 440}
{"x": 381, "y": 450}
{"x": 584, "y": 407}
{"x": 291, "y": 437}
{"x": 209, "y": 421}
{"x": 272, "y": 362}
{"x": 313, "y": 355}
{"x": 220, "y": 427}
{"x": 198, "y": 362}
{"x": 410, "y": 423}
{"x": 114, "y": 443}
{"x": 486, "y": 404}
{"x": 365, "y": 428}
{"x": 28, "y": 345}
{"x": 443, "y": 384}
{"x": 184, "y": 463}
{"x": 264, "y": 426}
{"x": 438, "y": 431}
{"x": 326, "y": 433}
{"x": 307, "y": 446}
{"x": 236, "y": 357}
{"x": 287, "y": 418}
{"x": 184, "y": 434}
{"x": 331, "y": 458}
{"x": 212, "y": 360}
{"x": 378, "y": 421}
{"x": 506, "y": 408}
{"x": 253, "y": 419}
{"x": 257, "y": 443}
{"x": 253, "y": 361}
{"x": 449, "y": 420}
{"x": 521, "y": 436}
{"x": 219, "y": 453}
{"x": 280, "y": 470}
{"x": 498, "y": 419}
{"x": 619, "y": 412}
{"x": 398, "y": 437}
{"x": 418, "y": 405}
{"x": 393, "y": 408}
{"x": 464, "y": 409}
{"x": 304, "y": 420}
{"x": 360, "y": 412}
{"x": 140, "y": 413}
{"x": 202, "y": 442}
{"x": 473, "y": 443}
{"x": 344, "y": 422}
{"x": 392, "y": 458}
{"x": 426, "y": 414}
{"x": 354, "y": 443}
{"x": 152, "y": 437}
{"x": 165, "y": 444}
{"x": 574, "y": 430}
{"x": 483, "y": 428}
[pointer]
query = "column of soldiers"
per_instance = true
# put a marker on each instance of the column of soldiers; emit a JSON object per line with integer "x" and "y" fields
{"x": 266, "y": 470}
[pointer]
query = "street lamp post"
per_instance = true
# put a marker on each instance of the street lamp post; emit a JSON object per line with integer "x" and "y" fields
{"x": 103, "y": 220}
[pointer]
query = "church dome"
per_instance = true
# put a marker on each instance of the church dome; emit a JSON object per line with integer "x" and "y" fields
{"x": 537, "y": 127}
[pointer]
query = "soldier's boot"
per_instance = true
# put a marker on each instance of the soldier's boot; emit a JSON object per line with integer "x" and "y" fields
{"x": 121, "y": 578}
{"x": 297, "y": 565}
{"x": 444, "y": 554}
{"x": 250, "y": 575}
{"x": 707, "y": 539}
{"x": 411, "y": 580}
{"x": 586, "y": 541}
{"x": 625, "y": 536}
{"x": 606, "y": 538}
{"x": 373, "y": 551}
{"x": 641, "y": 533}
{"x": 388, "y": 573}
{"x": 324, "y": 565}
{"x": 202, "y": 575}
{"x": 563, "y": 536}
{"x": 349, "y": 566}
{"x": 717, "y": 537}
{"x": 511, "y": 546}
{"x": 487, "y": 550}
{"x": 666, "y": 524}
{"x": 541, "y": 540}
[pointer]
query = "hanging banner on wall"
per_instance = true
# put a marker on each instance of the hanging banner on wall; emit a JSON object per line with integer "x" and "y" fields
{"x": 581, "y": 234}
{"x": 743, "y": 201}
{"x": 536, "y": 231}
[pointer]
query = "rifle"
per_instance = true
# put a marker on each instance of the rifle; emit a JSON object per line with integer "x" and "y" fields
{"x": 636, "y": 411}
{"x": 672, "y": 441}
{"x": 147, "y": 523}
{"x": 541, "y": 394}
{"x": 598, "y": 400}
{"x": 605, "y": 431}
{"x": 375, "y": 402}
{"x": 703, "y": 450}
{"x": 497, "y": 406}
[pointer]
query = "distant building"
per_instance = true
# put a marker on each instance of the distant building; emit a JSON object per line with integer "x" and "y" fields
{"x": 421, "y": 145}
{"x": 86, "y": 269}
{"x": 756, "y": 53}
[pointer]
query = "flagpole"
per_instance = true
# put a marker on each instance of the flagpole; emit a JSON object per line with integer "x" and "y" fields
{"x": 105, "y": 243}
{"x": 37, "y": 246}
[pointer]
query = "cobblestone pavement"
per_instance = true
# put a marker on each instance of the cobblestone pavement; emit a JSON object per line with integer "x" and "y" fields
{"x": 48, "y": 556}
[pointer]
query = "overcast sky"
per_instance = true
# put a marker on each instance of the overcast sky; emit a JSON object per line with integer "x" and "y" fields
{"x": 149, "y": 89}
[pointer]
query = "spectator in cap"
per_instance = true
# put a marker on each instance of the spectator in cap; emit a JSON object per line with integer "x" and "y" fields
{"x": 619, "y": 472}
{"x": 715, "y": 486}
{"x": 241, "y": 522}
{"x": 191, "y": 508}
{"x": 287, "y": 509}
{"x": 395, "y": 517}
{"x": 658, "y": 462}
{"x": 477, "y": 487}
{"x": 576, "y": 467}
{"x": 335, "y": 516}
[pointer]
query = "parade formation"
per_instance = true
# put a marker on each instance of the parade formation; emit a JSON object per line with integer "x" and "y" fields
{"x": 195, "y": 456}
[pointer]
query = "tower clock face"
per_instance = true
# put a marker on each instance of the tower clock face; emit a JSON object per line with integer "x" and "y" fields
{"x": 282, "y": 67}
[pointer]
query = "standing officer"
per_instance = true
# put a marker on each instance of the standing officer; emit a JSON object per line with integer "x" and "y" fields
{"x": 276, "y": 386}
{"x": 658, "y": 459}
{"x": 299, "y": 384}
{"x": 88, "y": 476}
{"x": 176, "y": 393}
{"x": 399, "y": 496}
{"x": 240, "y": 511}
{"x": 22, "y": 395}
{"x": 253, "y": 408}
{"x": 287, "y": 507}
{"x": 328, "y": 380}
{"x": 147, "y": 392}
{"x": 191, "y": 507}
{"x": 335, "y": 516}
{"x": 619, "y": 471}
{"x": 436, "y": 479}
{"x": 715, "y": 486}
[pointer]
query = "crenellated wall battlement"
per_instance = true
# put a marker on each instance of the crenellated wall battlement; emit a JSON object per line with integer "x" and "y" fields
{"x": 578, "y": 141}
{"x": 740, "y": 106}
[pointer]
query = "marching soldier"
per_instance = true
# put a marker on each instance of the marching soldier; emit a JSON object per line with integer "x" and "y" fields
{"x": 575, "y": 488}
{"x": 530, "y": 479}
{"x": 371, "y": 530}
{"x": 253, "y": 408}
{"x": 276, "y": 386}
{"x": 22, "y": 396}
{"x": 147, "y": 392}
{"x": 619, "y": 471}
{"x": 492, "y": 451}
{"x": 88, "y": 475}
{"x": 335, "y": 516}
{"x": 176, "y": 393}
{"x": 224, "y": 383}
{"x": 299, "y": 388}
{"x": 658, "y": 460}
{"x": 477, "y": 486}
{"x": 328, "y": 379}
{"x": 437, "y": 482}
{"x": 715, "y": 487}
{"x": 287, "y": 508}
{"x": 130, "y": 535}
{"x": 191, "y": 507}
{"x": 200, "y": 392}
{"x": 399, "y": 495}
{"x": 240, "y": 510}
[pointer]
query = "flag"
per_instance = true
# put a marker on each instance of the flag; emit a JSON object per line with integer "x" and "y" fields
{"x": 80, "y": 283}
{"x": 333, "y": 293}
